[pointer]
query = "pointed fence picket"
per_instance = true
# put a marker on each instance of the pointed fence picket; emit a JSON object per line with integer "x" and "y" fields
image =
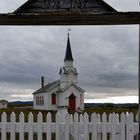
{"x": 48, "y": 126}
{"x": 39, "y": 123}
{"x": 12, "y": 126}
{"x": 21, "y": 126}
{"x": 30, "y": 126}
{"x": 70, "y": 127}
{"x": 67, "y": 126}
{"x": 94, "y": 121}
{"x": 122, "y": 126}
{"x": 129, "y": 126}
{"x": 3, "y": 124}
{"x": 76, "y": 127}
{"x": 104, "y": 126}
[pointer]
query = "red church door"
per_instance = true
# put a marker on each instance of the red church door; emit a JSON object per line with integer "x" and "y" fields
{"x": 72, "y": 102}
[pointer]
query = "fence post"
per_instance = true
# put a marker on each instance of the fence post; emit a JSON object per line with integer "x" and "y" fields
{"x": 76, "y": 127}
{"x": 99, "y": 135}
{"x": 4, "y": 121}
{"x": 57, "y": 129}
{"x": 104, "y": 126}
{"x": 94, "y": 122}
{"x": 67, "y": 126}
{"x": 12, "y": 126}
{"x": 137, "y": 120}
{"x": 30, "y": 126}
{"x": 39, "y": 121}
{"x": 129, "y": 126}
{"x": 86, "y": 121}
{"x": 48, "y": 126}
{"x": 123, "y": 123}
{"x": 21, "y": 123}
{"x": 71, "y": 124}
{"x": 117, "y": 121}
{"x": 81, "y": 136}
{"x": 113, "y": 124}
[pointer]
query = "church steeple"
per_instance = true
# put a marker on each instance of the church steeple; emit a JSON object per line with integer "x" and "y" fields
{"x": 68, "y": 73}
{"x": 68, "y": 54}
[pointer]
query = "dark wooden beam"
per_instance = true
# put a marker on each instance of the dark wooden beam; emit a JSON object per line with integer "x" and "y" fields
{"x": 117, "y": 18}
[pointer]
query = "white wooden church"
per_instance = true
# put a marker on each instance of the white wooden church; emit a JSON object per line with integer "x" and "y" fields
{"x": 63, "y": 93}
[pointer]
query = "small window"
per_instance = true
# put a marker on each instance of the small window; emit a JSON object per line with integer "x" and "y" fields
{"x": 81, "y": 99}
{"x": 53, "y": 99}
{"x": 37, "y": 100}
{"x": 42, "y": 100}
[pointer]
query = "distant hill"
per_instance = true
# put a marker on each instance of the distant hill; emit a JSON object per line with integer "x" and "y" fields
{"x": 20, "y": 103}
{"x": 103, "y": 105}
{"x": 87, "y": 105}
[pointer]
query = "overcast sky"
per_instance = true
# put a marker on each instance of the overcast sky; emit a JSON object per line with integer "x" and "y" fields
{"x": 105, "y": 56}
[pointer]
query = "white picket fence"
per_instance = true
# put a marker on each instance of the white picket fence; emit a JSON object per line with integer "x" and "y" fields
{"x": 70, "y": 127}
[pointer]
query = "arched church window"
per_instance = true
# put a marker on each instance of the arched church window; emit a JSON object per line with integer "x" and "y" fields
{"x": 53, "y": 99}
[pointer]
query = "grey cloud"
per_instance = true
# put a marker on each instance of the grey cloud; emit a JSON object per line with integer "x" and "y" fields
{"x": 106, "y": 57}
{"x": 124, "y": 5}
{"x": 6, "y": 6}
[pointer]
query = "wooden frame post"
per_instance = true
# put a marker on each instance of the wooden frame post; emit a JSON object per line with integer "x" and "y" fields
{"x": 139, "y": 84}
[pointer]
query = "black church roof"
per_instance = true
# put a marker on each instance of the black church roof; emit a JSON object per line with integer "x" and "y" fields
{"x": 68, "y": 54}
{"x": 48, "y": 87}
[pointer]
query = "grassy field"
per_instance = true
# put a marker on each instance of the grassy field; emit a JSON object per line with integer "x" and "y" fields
{"x": 111, "y": 110}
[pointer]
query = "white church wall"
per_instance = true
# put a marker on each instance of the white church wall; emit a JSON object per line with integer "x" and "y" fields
{"x": 50, "y": 106}
{"x": 63, "y": 101}
{"x": 46, "y": 100}
{"x": 63, "y": 84}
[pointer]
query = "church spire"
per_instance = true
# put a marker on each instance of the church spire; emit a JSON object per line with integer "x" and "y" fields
{"x": 68, "y": 54}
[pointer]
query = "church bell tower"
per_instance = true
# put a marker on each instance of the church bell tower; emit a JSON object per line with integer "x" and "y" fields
{"x": 68, "y": 73}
